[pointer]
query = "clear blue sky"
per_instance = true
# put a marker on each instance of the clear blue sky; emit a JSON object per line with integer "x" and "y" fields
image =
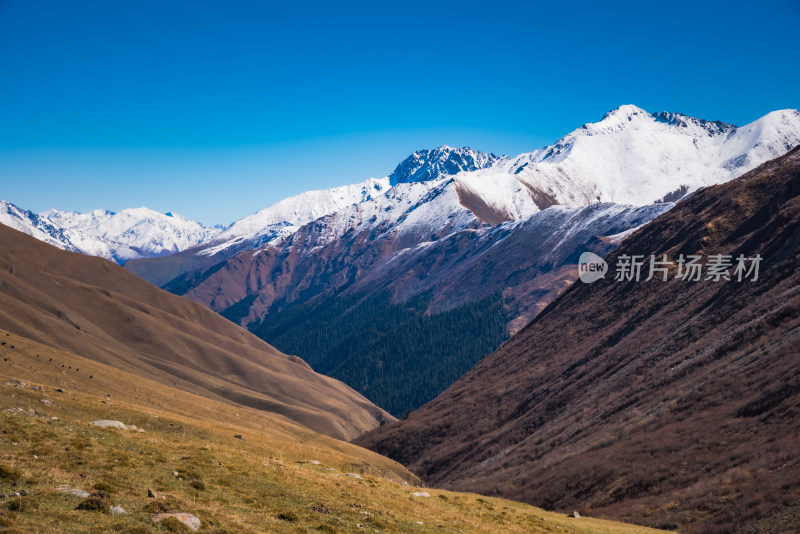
{"x": 217, "y": 109}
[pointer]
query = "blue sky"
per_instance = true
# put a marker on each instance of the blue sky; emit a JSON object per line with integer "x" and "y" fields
{"x": 215, "y": 110}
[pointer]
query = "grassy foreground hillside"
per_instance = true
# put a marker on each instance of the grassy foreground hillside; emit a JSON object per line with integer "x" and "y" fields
{"x": 279, "y": 477}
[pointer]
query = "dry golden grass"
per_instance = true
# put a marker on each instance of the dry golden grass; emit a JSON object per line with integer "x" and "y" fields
{"x": 265, "y": 482}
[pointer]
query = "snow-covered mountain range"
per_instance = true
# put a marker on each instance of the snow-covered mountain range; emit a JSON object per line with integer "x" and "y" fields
{"x": 630, "y": 156}
{"x": 128, "y": 234}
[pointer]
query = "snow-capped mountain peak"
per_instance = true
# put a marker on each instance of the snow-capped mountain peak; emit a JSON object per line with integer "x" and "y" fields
{"x": 425, "y": 165}
{"x": 635, "y": 157}
{"x": 622, "y": 114}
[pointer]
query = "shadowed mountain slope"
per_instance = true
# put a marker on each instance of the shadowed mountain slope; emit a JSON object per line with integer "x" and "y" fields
{"x": 665, "y": 403}
{"x": 97, "y": 309}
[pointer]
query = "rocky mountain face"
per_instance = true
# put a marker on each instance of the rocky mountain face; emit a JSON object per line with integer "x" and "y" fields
{"x": 671, "y": 403}
{"x": 451, "y": 227}
{"x": 96, "y": 309}
{"x": 129, "y": 234}
{"x": 425, "y": 165}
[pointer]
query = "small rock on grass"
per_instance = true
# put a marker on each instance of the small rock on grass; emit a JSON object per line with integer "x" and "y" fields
{"x": 187, "y": 519}
{"x": 117, "y": 510}
{"x": 354, "y": 475}
{"x": 73, "y": 491}
{"x": 421, "y": 494}
{"x": 108, "y": 423}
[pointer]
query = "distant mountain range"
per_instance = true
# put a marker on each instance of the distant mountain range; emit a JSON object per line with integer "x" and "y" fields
{"x": 454, "y": 239}
{"x": 668, "y": 403}
{"x": 131, "y": 233}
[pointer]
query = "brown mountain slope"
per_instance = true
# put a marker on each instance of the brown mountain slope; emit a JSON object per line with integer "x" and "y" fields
{"x": 664, "y": 403}
{"x": 99, "y": 310}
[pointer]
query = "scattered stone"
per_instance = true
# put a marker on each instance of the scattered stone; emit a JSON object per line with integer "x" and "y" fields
{"x": 2, "y": 496}
{"x": 15, "y": 494}
{"x": 73, "y": 491}
{"x": 15, "y": 383}
{"x": 354, "y": 475}
{"x": 37, "y": 388}
{"x": 23, "y": 492}
{"x": 187, "y": 519}
{"x": 576, "y": 515}
{"x": 314, "y": 462}
{"x": 152, "y": 494}
{"x": 238, "y": 436}
{"x": 421, "y": 494}
{"x": 117, "y": 510}
{"x": 320, "y": 509}
{"x": 108, "y": 423}
{"x": 59, "y": 390}
{"x": 47, "y": 402}
{"x": 175, "y": 473}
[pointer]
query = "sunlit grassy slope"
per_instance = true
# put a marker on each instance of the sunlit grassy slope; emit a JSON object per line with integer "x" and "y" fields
{"x": 279, "y": 478}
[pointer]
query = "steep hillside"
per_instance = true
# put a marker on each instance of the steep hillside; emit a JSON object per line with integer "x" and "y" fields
{"x": 95, "y": 308}
{"x": 664, "y": 403}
